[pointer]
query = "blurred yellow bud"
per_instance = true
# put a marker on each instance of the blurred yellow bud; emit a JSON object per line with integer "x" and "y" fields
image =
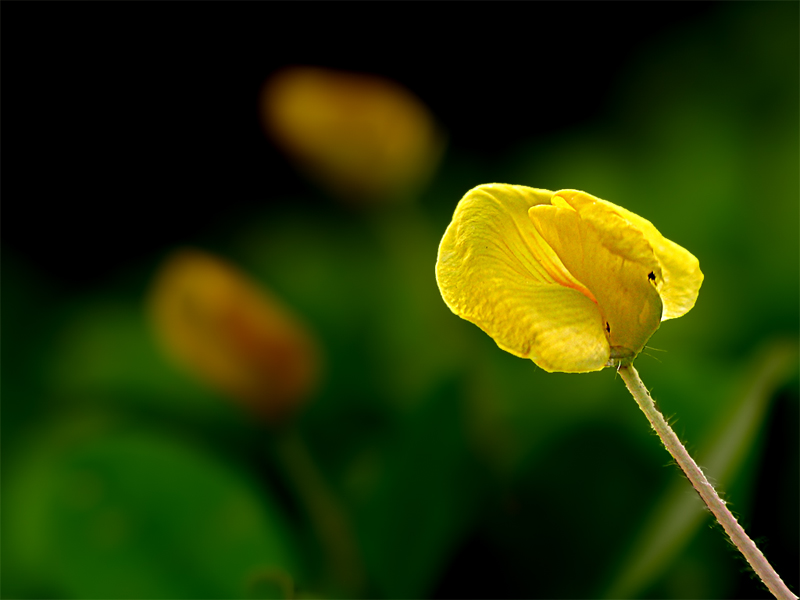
{"x": 236, "y": 337}
{"x": 362, "y": 137}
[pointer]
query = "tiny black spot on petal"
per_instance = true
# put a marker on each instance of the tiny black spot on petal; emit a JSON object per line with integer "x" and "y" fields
{"x": 608, "y": 327}
{"x": 651, "y": 276}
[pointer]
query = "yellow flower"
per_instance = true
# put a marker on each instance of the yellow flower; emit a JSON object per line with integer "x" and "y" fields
{"x": 362, "y": 137}
{"x": 568, "y": 280}
{"x": 232, "y": 334}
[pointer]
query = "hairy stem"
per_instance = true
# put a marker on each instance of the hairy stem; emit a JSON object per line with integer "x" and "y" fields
{"x": 707, "y": 492}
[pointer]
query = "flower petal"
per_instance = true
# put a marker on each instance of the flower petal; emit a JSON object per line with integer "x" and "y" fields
{"x": 681, "y": 276}
{"x": 495, "y": 270}
{"x": 612, "y": 259}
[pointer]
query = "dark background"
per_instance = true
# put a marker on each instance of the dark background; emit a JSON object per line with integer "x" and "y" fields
{"x": 116, "y": 123}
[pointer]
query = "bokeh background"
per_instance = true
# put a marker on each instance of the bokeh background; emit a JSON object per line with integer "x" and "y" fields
{"x": 413, "y": 458}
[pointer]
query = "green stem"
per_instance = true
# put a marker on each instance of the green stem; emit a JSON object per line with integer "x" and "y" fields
{"x": 326, "y": 514}
{"x": 707, "y": 492}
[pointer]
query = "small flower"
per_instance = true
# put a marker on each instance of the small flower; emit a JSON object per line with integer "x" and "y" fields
{"x": 568, "y": 280}
{"x": 232, "y": 334}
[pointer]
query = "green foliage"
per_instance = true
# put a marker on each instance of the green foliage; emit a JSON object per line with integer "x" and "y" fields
{"x": 108, "y": 509}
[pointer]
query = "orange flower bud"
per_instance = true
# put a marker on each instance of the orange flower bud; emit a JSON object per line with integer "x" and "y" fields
{"x": 236, "y": 337}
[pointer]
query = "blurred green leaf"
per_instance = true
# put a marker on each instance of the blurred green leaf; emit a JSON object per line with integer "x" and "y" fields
{"x": 121, "y": 512}
{"x": 106, "y": 351}
{"x": 427, "y": 495}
